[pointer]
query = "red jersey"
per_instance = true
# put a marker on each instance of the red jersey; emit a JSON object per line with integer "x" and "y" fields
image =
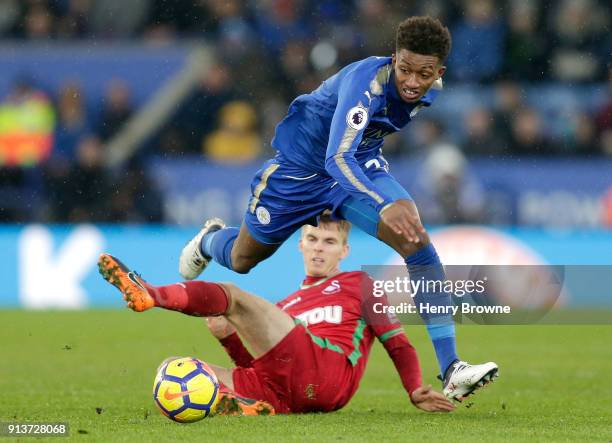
{"x": 333, "y": 309}
{"x": 339, "y": 316}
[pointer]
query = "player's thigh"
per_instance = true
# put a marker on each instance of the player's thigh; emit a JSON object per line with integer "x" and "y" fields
{"x": 364, "y": 216}
{"x": 284, "y": 198}
{"x": 261, "y": 323}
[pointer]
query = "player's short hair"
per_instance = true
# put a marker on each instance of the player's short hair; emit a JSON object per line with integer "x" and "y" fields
{"x": 425, "y": 36}
{"x": 326, "y": 222}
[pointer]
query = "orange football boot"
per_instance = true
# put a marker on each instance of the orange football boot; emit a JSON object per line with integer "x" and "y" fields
{"x": 130, "y": 284}
{"x": 231, "y": 404}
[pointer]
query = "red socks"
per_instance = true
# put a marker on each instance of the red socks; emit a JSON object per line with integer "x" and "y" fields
{"x": 197, "y": 298}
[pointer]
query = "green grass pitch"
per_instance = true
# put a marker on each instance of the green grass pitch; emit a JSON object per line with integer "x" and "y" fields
{"x": 94, "y": 369}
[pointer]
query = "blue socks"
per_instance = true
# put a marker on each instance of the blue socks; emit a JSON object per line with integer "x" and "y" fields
{"x": 218, "y": 245}
{"x": 425, "y": 265}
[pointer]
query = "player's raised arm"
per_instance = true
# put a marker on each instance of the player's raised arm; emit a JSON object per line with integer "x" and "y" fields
{"x": 358, "y": 99}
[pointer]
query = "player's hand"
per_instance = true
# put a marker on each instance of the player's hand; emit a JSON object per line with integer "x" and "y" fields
{"x": 427, "y": 399}
{"x": 220, "y": 327}
{"x": 402, "y": 221}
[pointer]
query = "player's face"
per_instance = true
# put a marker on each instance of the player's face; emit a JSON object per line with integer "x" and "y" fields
{"x": 322, "y": 249}
{"x": 415, "y": 73}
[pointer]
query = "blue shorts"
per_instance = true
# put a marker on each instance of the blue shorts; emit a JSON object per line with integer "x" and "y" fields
{"x": 285, "y": 197}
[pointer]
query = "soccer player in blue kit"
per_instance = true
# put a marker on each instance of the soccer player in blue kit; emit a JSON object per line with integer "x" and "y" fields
{"x": 329, "y": 159}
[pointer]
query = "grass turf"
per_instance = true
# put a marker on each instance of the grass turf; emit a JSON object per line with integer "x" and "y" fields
{"x": 94, "y": 370}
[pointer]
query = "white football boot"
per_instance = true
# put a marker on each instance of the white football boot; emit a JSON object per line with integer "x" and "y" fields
{"x": 192, "y": 262}
{"x": 462, "y": 379}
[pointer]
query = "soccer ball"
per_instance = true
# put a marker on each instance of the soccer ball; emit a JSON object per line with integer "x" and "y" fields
{"x": 185, "y": 389}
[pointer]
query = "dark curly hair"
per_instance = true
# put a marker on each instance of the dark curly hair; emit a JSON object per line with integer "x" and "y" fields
{"x": 425, "y": 36}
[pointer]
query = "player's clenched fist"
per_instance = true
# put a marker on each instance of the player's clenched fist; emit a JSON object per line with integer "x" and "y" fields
{"x": 402, "y": 221}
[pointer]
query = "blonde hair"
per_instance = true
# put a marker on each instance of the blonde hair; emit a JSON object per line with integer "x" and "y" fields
{"x": 326, "y": 222}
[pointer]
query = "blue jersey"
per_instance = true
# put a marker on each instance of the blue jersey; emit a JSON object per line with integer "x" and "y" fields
{"x": 337, "y": 128}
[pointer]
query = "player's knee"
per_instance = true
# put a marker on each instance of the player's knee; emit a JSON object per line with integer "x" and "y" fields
{"x": 230, "y": 288}
{"x": 237, "y": 297}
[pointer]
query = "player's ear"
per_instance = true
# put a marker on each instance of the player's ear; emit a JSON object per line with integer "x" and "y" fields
{"x": 345, "y": 251}
{"x": 300, "y": 245}
{"x": 441, "y": 71}
{"x": 393, "y": 59}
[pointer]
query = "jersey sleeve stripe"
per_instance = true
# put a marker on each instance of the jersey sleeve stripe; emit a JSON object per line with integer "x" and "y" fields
{"x": 392, "y": 333}
{"x": 262, "y": 185}
{"x": 345, "y": 145}
{"x": 357, "y": 337}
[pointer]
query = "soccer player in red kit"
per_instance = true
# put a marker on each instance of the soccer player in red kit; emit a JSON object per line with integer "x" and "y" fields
{"x": 309, "y": 351}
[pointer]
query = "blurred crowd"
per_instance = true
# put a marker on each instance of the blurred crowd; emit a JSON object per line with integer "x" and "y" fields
{"x": 505, "y": 53}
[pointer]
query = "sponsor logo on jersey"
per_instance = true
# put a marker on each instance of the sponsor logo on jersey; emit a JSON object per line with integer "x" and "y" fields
{"x": 329, "y": 314}
{"x": 357, "y": 117}
{"x": 333, "y": 287}
{"x": 263, "y": 215}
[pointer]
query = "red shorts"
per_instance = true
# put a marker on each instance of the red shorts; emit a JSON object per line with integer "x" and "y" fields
{"x": 298, "y": 375}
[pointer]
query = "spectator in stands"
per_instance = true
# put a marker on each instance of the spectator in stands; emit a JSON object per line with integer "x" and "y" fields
{"x": 81, "y": 192}
{"x": 376, "y": 22}
{"x": 38, "y": 21}
{"x": 424, "y": 133}
{"x": 478, "y": 43}
{"x": 197, "y": 117}
{"x": 278, "y": 21}
{"x": 508, "y": 100}
{"x": 73, "y": 122}
{"x": 134, "y": 197}
{"x": 526, "y": 43}
{"x": 582, "y": 136}
{"x": 296, "y": 76}
{"x": 447, "y": 191}
{"x": 118, "y": 18}
{"x": 168, "y": 19}
{"x": 9, "y": 17}
{"x": 26, "y": 127}
{"x": 234, "y": 34}
{"x": 580, "y": 26}
{"x": 116, "y": 109}
{"x": 481, "y": 137}
{"x": 527, "y": 136}
{"x": 236, "y": 140}
{"x": 75, "y": 19}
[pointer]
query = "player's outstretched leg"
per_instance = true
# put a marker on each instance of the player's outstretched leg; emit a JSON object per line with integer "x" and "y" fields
{"x": 131, "y": 285}
{"x": 463, "y": 379}
{"x": 192, "y": 261}
{"x": 196, "y": 298}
